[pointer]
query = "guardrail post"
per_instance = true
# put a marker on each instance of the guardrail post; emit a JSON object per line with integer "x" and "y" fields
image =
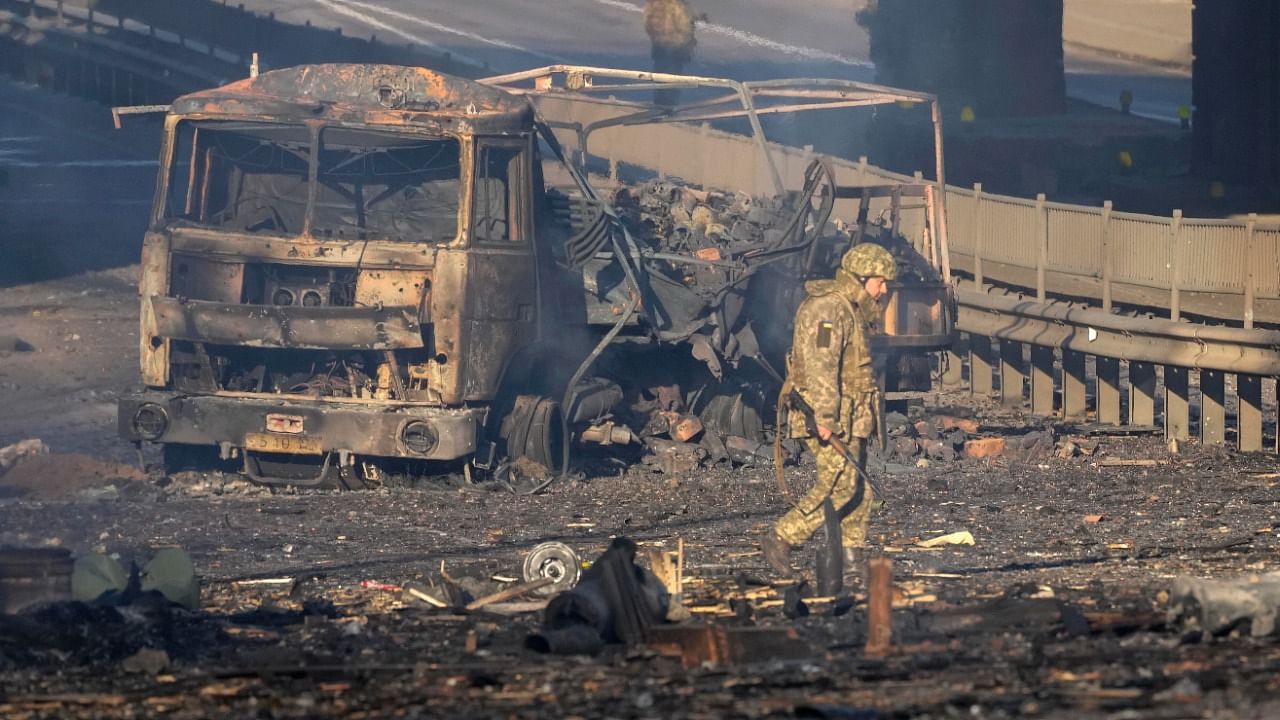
{"x": 1142, "y": 393}
{"x": 1012, "y": 374}
{"x": 1250, "y": 260}
{"x": 1042, "y": 249}
{"x": 1249, "y": 416}
{"x": 1074, "y": 383}
{"x": 1041, "y": 380}
{"x": 1177, "y": 406}
{"x": 978, "y": 277}
{"x": 953, "y": 362}
{"x": 981, "y": 359}
{"x": 1175, "y": 257}
{"x": 1213, "y": 407}
{"x": 1108, "y": 371}
{"x": 1106, "y": 265}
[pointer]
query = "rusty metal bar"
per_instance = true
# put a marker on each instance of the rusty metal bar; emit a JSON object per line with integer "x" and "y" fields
{"x": 116, "y": 112}
{"x": 941, "y": 221}
{"x": 271, "y": 326}
{"x": 879, "y": 606}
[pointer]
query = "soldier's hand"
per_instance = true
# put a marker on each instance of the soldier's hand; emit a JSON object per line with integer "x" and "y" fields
{"x": 824, "y": 433}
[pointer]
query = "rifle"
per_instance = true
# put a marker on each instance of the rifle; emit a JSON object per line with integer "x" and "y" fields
{"x": 798, "y": 402}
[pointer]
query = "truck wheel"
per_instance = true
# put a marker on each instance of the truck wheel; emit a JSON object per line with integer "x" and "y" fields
{"x": 534, "y": 430}
{"x": 734, "y": 414}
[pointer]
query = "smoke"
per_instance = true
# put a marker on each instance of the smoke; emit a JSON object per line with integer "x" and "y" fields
{"x": 669, "y": 25}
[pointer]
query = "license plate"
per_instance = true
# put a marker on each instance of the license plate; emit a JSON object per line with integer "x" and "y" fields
{"x": 290, "y": 444}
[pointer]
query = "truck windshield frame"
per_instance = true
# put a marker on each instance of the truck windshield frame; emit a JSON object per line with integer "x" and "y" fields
{"x": 327, "y": 182}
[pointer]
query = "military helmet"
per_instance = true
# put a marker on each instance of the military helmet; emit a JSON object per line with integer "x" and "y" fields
{"x": 868, "y": 260}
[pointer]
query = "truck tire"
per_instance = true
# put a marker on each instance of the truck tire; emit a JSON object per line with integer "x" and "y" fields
{"x": 534, "y": 430}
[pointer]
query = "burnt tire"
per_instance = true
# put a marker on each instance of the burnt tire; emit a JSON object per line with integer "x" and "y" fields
{"x": 534, "y": 430}
{"x": 734, "y": 414}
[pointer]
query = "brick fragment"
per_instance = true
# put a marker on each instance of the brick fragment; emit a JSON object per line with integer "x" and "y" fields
{"x": 984, "y": 447}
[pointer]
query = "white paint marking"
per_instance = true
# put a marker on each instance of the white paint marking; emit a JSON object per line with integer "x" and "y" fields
{"x": 341, "y": 9}
{"x": 83, "y": 164}
{"x": 417, "y": 20}
{"x": 759, "y": 41}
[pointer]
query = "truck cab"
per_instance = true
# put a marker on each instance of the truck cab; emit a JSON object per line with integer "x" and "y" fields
{"x": 319, "y": 279}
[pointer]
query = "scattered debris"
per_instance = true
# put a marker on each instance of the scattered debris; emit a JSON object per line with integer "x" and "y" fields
{"x": 12, "y": 454}
{"x": 1250, "y": 603}
{"x": 616, "y": 599}
{"x": 553, "y": 560}
{"x": 1126, "y": 462}
{"x": 984, "y": 447}
{"x": 33, "y": 576}
{"x": 147, "y": 661}
{"x": 173, "y": 575}
{"x": 95, "y": 575}
{"x": 702, "y": 645}
{"x": 963, "y": 537}
{"x": 511, "y": 593}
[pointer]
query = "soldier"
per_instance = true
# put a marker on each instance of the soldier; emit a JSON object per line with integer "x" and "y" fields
{"x": 830, "y": 367}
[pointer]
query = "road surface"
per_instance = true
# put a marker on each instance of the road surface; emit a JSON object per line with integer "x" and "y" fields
{"x": 765, "y": 38}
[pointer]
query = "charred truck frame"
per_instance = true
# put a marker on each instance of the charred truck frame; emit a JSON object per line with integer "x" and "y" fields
{"x": 354, "y": 269}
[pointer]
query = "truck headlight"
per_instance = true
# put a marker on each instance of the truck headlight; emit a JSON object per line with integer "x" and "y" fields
{"x": 419, "y": 437}
{"x": 150, "y": 421}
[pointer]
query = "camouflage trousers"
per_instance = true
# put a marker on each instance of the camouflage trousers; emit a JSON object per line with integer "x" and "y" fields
{"x": 837, "y": 479}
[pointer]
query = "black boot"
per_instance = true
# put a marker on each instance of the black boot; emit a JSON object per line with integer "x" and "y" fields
{"x": 777, "y": 552}
{"x": 855, "y": 563}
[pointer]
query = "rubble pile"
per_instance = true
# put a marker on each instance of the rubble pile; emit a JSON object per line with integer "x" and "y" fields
{"x": 958, "y": 435}
{"x": 709, "y": 225}
{"x": 678, "y": 439}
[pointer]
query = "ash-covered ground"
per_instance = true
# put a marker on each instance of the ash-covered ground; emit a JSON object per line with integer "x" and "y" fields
{"x": 287, "y": 627}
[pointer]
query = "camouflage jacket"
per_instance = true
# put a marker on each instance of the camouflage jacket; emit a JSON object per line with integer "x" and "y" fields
{"x": 830, "y": 359}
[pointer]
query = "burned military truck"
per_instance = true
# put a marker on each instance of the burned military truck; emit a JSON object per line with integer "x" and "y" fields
{"x": 354, "y": 269}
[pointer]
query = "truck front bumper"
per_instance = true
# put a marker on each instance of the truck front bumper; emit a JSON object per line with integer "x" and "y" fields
{"x": 301, "y": 427}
